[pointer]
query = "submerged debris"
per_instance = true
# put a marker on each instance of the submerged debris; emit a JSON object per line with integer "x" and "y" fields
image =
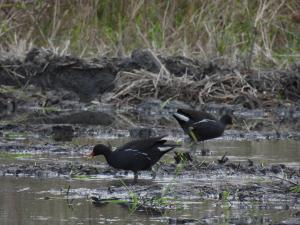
{"x": 179, "y": 220}
{"x": 63, "y": 133}
{"x": 224, "y": 159}
{"x": 182, "y": 157}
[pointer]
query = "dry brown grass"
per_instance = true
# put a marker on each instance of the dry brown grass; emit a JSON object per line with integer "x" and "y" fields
{"x": 258, "y": 32}
{"x": 257, "y": 88}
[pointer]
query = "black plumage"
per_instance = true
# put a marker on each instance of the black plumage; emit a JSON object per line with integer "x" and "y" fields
{"x": 136, "y": 155}
{"x": 201, "y": 126}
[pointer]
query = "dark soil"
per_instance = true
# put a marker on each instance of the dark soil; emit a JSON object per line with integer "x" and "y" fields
{"x": 89, "y": 79}
{"x": 62, "y": 89}
{"x": 46, "y": 88}
{"x": 83, "y": 117}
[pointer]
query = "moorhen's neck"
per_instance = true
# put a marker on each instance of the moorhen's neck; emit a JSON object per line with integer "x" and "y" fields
{"x": 225, "y": 120}
{"x": 107, "y": 152}
{"x": 108, "y": 155}
{"x": 102, "y": 150}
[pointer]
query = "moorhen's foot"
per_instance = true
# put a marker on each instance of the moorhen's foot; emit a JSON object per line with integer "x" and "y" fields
{"x": 153, "y": 174}
{"x": 135, "y": 178}
{"x": 205, "y": 152}
{"x": 250, "y": 162}
{"x": 194, "y": 148}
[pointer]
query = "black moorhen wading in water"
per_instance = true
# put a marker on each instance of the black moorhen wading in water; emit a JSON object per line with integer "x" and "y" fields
{"x": 201, "y": 126}
{"x": 136, "y": 155}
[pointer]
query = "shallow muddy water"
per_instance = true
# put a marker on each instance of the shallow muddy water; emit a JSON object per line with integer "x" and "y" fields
{"x": 44, "y": 181}
{"x": 44, "y": 200}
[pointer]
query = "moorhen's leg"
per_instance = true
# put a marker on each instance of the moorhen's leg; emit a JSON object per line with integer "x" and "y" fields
{"x": 205, "y": 152}
{"x": 153, "y": 173}
{"x": 135, "y": 177}
{"x": 193, "y": 147}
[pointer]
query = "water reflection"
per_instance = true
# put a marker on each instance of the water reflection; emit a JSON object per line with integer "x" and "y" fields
{"x": 272, "y": 151}
{"x": 32, "y": 207}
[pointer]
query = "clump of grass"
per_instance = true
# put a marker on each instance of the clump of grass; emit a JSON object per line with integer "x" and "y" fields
{"x": 156, "y": 204}
{"x": 295, "y": 189}
{"x": 254, "y": 33}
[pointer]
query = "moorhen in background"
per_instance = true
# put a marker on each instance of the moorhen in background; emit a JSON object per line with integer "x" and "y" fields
{"x": 136, "y": 155}
{"x": 201, "y": 126}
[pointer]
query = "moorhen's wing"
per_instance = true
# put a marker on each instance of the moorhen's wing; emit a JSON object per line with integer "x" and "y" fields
{"x": 142, "y": 145}
{"x": 196, "y": 115}
{"x": 131, "y": 159}
{"x": 208, "y": 129}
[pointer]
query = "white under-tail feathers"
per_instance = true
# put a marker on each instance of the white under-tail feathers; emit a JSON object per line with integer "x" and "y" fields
{"x": 181, "y": 117}
{"x": 165, "y": 148}
{"x": 186, "y": 119}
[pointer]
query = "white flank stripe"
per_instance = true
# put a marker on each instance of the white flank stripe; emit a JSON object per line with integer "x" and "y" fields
{"x": 181, "y": 117}
{"x": 162, "y": 149}
{"x": 205, "y": 121}
{"x": 131, "y": 150}
{"x": 143, "y": 153}
{"x": 136, "y": 151}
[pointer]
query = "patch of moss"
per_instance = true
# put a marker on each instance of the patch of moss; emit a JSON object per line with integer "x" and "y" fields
{"x": 15, "y": 136}
{"x": 9, "y": 155}
{"x": 295, "y": 189}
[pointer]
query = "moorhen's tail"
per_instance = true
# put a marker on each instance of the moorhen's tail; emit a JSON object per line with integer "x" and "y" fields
{"x": 167, "y": 147}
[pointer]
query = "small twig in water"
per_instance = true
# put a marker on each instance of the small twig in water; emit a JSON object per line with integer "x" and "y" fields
{"x": 280, "y": 178}
{"x": 224, "y": 159}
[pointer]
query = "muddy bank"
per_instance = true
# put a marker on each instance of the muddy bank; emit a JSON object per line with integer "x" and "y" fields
{"x": 147, "y": 119}
{"x": 46, "y": 88}
{"x": 81, "y": 117}
{"x": 44, "y": 69}
{"x": 195, "y": 169}
{"x": 143, "y": 75}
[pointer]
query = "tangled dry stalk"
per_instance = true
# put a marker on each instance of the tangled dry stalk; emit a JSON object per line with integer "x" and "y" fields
{"x": 256, "y": 88}
{"x": 138, "y": 85}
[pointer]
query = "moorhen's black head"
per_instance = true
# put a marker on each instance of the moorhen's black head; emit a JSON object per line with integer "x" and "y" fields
{"x": 100, "y": 150}
{"x": 226, "y": 119}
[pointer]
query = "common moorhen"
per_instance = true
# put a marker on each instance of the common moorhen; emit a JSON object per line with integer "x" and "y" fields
{"x": 201, "y": 126}
{"x": 136, "y": 155}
